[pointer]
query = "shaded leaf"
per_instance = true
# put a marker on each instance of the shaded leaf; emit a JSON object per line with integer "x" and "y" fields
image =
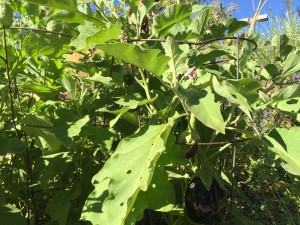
{"x": 11, "y": 216}
{"x": 247, "y": 87}
{"x": 11, "y": 145}
{"x": 59, "y": 206}
{"x": 68, "y": 126}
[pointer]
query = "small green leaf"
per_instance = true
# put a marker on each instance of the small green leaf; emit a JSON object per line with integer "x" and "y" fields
{"x": 286, "y": 93}
{"x": 106, "y": 81}
{"x": 148, "y": 59}
{"x": 177, "y": 64}
{"x": 11, "y": 145}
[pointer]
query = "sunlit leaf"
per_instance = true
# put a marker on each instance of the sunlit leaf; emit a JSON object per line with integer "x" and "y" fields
{"x": 292, "y": 64}
{"x": 86, "y": 30}
{"x": 177, "y": 64}
{"x": 66, "y": 4}
{"x": 284, "y": 143}
{"x": 202, "y": 104}
{"x": 110, "y": 33}
{"x": 222, "y": 91}
{"x": 39, "y": 126}
{"x": 172, "y": 15}
{"x": 118, "y": 184}
{"x": 148, "y": 59}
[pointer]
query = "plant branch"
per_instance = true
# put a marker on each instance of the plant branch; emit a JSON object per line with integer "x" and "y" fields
{"x": 9, "y": 81}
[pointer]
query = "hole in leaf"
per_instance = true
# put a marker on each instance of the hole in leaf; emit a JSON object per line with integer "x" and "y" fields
{"x": 141, "y": 178}
{"x": 292, "y": 101}
{"x": 128, "y": 172}
{"x": 122, "y": 203}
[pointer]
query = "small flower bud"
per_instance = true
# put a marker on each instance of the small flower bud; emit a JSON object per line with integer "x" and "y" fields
{"x": 191, "y": 72}
{"x": 63, "y": 96}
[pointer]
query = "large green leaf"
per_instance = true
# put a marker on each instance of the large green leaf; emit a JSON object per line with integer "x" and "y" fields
{"x": 43, "y": 91}
{"x": 118, "y": 184}
{"x": 58, "y": 4}
{"x": 39, "y": 126}
{"x": 177, "y": 64}
{"x": 148, "y": 59}
{"x": 285, "y": 143}
{"x": 202, "y": 104}
{"x": 46, "y": 44}
{"x": 172, "y": 15}
{"x": 11, "y": 145}
{"x": 11, "y": 216}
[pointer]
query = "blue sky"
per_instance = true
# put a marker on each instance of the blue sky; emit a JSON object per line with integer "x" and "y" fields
{"x": 246, "y": 8}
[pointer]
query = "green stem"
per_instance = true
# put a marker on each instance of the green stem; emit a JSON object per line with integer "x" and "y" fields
{"x": 146, "y": 88}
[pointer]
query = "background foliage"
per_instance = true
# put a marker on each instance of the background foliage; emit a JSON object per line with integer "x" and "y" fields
{"x": 108, "y": 110}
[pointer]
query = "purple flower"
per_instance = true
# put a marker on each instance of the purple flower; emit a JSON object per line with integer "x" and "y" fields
{"x": 266, "y": 113}
{"x": 296, "y": 77}
{"x": 191, "y": 72}
{"x": 63, "y": 96}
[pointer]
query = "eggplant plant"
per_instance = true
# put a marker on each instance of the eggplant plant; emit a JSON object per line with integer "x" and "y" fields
{"x": 133, "y": 112}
